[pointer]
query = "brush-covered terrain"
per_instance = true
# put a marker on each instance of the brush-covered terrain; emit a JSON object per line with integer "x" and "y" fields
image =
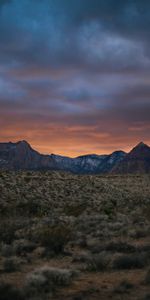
{"x": 71, "y": 237}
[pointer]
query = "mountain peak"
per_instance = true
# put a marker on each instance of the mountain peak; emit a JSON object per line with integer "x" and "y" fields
{"x": 136, "y": 161}
{"x": 140, "y": 150}
{"x": 141, "y": 144}
{"x": 23, "y": 142}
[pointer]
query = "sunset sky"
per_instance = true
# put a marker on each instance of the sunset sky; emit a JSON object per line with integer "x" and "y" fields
{"x": 75, "y": 74}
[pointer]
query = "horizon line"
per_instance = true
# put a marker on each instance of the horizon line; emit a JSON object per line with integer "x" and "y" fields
{"x": 35, "y": 149}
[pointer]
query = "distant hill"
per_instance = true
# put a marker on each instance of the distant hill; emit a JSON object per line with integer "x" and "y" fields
{"x": 21, "y": 156}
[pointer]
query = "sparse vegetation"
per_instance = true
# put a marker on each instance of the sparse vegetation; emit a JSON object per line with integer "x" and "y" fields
{"x": 47, "y": 280}
{"x": 52, "y": 223}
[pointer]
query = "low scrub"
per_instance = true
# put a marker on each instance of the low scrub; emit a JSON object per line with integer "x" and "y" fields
{"x": 134, "y": 261}
{"x": 123, "y": 287}
{"x": 47, "y": 280}
{"x": 98, "y": 262}
{"x": 120, "y": 247}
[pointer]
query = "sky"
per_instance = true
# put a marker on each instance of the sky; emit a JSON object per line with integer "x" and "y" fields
{"x": 75, "y": 74}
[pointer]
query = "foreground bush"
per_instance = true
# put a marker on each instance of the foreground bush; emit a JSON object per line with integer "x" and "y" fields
{"x": 23, "y": 246}
{"x": 47, "y": 280}
{"x": 123, "y": 287}
{"x": 6, "y": 250}
{"x": 8, "y": 292}
{"x": 11, "y": 265}
{"x": 54, "y": 238}
{"x": 147, "y": 279}
{"x": 98, "y": 262}
{"x": 120, "y": 247}
{"x": 7, "y": 231}
{"x": 147, "y": 297}
{"x": 129, "y": 262}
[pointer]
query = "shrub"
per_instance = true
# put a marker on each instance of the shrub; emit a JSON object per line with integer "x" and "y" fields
{"x": 11, "y": 265}
{"x": 123, "y": 287}
{"x": 134, "y": 261}
{"x": 120, "y": 247}
{"x": 98, "y": 262}
{"x": 8, "y": 292}
{"x": 36, "y": 284}
{"x": 30, "y": 208}
{"x": 140, "y": 233}
{"x": 82, "y": 257}
{"x": 54, "y": 238}
{"x": 95, "y": 246}
{"x": 23, "y": 246}
{"x": 7, "y": 231}
{"x": 147, "y": 297}
{"x": 147, "y": 279}
{"x": 74, "y": 210}
{"x": 6, "y": 250}
{"x": 146, "y": 212}
{"x": 47, "y": 279}
{"x": 108, "y": 211}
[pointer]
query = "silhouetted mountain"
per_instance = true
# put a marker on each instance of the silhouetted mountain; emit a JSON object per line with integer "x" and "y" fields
{"x": 136, "y": 161}
{"x": 21, "y": 156}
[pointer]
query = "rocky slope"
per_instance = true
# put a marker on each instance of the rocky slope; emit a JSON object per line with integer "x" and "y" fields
{"x": 136, "y": 161}
{"x": 20, "y": 156}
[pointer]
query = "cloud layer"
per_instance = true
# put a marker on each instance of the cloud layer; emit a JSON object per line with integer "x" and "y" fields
{"x": 74, "y": 75}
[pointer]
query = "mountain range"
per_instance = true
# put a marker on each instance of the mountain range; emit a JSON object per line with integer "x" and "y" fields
{"x": 21, "y": 156}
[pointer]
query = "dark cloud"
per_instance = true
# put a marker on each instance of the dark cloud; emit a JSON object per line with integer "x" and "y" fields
{"x": 74, "y": 32}
{"x": 76, "y": 68}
